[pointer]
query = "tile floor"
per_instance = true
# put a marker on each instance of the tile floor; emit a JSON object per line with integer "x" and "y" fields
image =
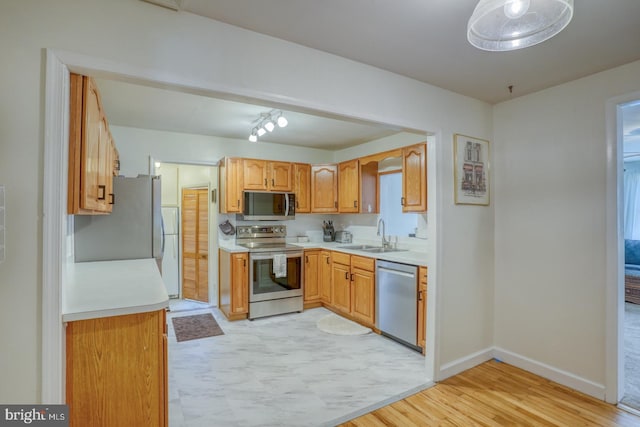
{"x": 283, "y": 371}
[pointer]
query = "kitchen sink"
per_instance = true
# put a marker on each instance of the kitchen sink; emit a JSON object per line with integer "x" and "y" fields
{"x": 371, "y": 248}
{"x": 360, "y": 247}
{"x": 379, "y": 250}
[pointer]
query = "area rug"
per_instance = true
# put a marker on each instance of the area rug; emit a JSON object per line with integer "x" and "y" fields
{"x": 195, "y": 327}
{"x": 337, "y": 325}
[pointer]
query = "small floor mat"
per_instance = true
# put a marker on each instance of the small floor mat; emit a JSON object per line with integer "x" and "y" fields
{"x": 338, "y": 325}
{"x": 195, "y": 327}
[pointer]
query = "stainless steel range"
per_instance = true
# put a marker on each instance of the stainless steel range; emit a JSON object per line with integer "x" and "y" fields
{"x": 275, "y": 273}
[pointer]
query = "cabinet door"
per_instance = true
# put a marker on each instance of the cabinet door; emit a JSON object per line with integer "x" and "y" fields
{"x": 239, "y": 283}
{"x": 105, "y": 167}
{"x": 92, "y": 126}
{"x": 349, "y": 186}
{"x": 341, "y": 287}
{"x": 363, "y": 294}
{"x": 311, "y": 285}
{"x": 302, "y": 187}
{"x": 231, "y": 185}
{"x": 324, "y": 267}
{"x": 422, "y": 308}
{"x": 255, "y": 174}
{"x": 324, "y": 188}
{"x": 116, "y": 371}
{"x": 414, "y": 178}
{"x": 281, "y": 176}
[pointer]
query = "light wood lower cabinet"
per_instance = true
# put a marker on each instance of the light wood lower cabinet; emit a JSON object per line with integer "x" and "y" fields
{"x": 116, "y": 373}
{"x": 311, "y": 278}
{"x": 422, "y": 308}
{"x": 233, "y": 280}
{"x": 324, "y": 277}
{"x": 353, "y": 286}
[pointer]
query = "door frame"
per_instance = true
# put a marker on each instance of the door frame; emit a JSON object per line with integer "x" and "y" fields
{"x": 614, "y": 229}
{"x": 56, "y": 224}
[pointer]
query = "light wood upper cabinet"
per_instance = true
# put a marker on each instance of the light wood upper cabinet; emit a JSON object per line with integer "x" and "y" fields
{"x": 255, "y": 174}
{"x": 280, "y": 176}
{"x": 414, "y": 178}
{"x": 324, "y": 188}
{"x": 263, "y": 175}
{"x": 302, "y": 187}
{"x": 93, "y": 158}
{"x": 116, "y": 371}
{"x": 231, "y": 181}
{"x": 349, "y": 186}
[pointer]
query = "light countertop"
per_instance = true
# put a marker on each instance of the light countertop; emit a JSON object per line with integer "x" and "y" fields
{"x": 407, "y": 257}
{"x": 112, "y": 288}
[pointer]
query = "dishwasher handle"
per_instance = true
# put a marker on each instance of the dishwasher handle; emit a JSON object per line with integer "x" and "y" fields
{"x": 398, "y": 272}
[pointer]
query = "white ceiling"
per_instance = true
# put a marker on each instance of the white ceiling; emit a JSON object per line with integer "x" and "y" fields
{"x": 421, "y": 39}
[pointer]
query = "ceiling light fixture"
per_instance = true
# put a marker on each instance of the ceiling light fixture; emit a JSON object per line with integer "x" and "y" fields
{"x": 267, "y": 123}
{"x": 502, "y": 25}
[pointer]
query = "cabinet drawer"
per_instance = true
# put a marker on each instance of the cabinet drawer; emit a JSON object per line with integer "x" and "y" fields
{"x": 363, "y": 262}
{"x": 341, "y": 258}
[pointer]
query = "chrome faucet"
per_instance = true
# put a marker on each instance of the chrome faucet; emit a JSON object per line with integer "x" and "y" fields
{"x": 385, "y": 242}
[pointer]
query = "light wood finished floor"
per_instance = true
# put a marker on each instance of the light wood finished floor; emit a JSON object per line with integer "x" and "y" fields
{"x": 497, "y": 394}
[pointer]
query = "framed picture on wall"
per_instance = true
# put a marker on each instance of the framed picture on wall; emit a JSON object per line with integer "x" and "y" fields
{"x": 470, "y": 170}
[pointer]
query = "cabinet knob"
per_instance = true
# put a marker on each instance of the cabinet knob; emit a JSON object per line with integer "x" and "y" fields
{"x": 265, "y": 182}
{"x": 346, "y": 275}
{"x": 402, "y": 201}
{"x": 355, "y": 203}
{"x": 112, "y": 201}
{"x": 103, "y": 189}
{"x": 352, "y": 277}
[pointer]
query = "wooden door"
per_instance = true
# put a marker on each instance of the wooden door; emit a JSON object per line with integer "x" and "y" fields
{"x": 302, "y": 187}
{"x": 324, "y": 188}
{"x": 414, "y": 178}
{"x": 255, "y": 174}
{"x": 324, "y": 279}
{"x": 349, "y": 186}
{"x": 311, "y": 285}
{"x": 240, "y": 283}
{"x": 363, "y": 294}
{"x": 280, "y": 176}
{"x": 341, "y": 287}
{"x": 195, "y": 241}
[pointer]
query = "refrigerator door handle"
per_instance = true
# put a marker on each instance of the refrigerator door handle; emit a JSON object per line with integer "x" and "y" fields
{"x": 163, "y": 238}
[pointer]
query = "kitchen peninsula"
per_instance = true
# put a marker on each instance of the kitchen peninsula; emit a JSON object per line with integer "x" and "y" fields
{"x": 116, "y": 343}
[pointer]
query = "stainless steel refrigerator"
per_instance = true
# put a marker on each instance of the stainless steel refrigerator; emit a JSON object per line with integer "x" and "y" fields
{"x": 133, "y": 230}
{"x": 171, "y": 258}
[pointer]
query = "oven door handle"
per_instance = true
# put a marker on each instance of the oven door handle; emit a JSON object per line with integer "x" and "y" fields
{"x": 269, "y": 255}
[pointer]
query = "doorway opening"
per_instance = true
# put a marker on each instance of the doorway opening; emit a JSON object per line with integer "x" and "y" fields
{"x": 188, "y": 207}
{"x": 629, "y": 130}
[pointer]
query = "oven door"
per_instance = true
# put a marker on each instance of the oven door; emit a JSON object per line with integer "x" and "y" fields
{"x": 264, "y": 285}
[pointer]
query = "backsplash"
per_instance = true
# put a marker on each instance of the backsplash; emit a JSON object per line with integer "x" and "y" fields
{"x": 362, "y": 226}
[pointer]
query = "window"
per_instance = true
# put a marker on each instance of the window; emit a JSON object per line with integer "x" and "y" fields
{"x": 396, "y": 222}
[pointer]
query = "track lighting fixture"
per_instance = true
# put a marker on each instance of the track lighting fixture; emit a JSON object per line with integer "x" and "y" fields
{"x": 267, "y": 123}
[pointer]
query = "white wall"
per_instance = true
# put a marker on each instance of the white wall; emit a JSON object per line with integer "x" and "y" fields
{"x": 200, "y": 53}
{"x": 550, "y": 243}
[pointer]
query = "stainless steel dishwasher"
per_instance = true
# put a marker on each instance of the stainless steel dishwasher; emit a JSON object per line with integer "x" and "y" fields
{"x": 397, "y": 302}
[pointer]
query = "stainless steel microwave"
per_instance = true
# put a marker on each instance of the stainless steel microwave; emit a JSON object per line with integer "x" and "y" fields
{"x": 268, "y": 206}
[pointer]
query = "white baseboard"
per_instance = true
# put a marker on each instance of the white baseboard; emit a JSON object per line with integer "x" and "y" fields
{"x": 454, "y": 368}
{"x": 546, "y": 371}
{"x": 549, "y": 372}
